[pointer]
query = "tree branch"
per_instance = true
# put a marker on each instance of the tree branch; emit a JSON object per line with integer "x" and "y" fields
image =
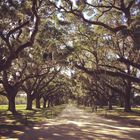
{"x": 17, "y": 28}
{"x": 128, "y": 62}
{"x": 110, "y": 73}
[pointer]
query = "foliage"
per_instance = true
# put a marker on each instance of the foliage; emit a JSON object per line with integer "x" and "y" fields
{"x": 97, "y": 42}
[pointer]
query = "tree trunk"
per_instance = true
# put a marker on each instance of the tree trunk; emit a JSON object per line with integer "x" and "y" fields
{"x": 127, "y": 97}
{"x": 29, "y": 102}
{"x": 110, "y": 103}
{"x": 49, "y": 103}
{"x": 11, "y": 104}
{"x": 127, "y": 102}
{"x": 44, "y": 103}
{"x": 121, "y": 102}
{"x": 37, "y": 102}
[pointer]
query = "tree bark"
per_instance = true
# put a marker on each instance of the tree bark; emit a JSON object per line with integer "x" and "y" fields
{"x": 110, "y": 103}
{"x": 127, "y": 102}
{"x": 121, "y": 101}
{"x": 127, "y": 97}
{"x": 29, "y": 102}
{"x": 49, "y": 103}
{"x": 52, "y": 104}
{"x": 11, "y": 104}
{"x": 44, "y": 103}
{"x": 37, "y": 102}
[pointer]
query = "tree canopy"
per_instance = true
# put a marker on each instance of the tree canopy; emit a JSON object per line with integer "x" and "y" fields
{"x": 85, "y": 50}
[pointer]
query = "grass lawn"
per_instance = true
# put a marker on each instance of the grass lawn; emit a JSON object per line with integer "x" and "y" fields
{"x": 27, "y": 117}
{"x": 118, "y": 114}
{"x": 11, "y": 126}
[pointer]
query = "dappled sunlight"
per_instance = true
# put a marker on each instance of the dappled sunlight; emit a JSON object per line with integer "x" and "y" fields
{"x": 55, "y": 134}
{"x": 9, "y": 121}
{"x": 9, "y": 138}
{"x": 36, "y": 128}
{"x": 81, "y": 124}
{"x": 75, "y": 124}
{"x": 117, "y": 127}
{"x": 17, "y": 132}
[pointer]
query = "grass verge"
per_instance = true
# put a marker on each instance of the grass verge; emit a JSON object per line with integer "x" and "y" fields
{"x": 14, "y": 126}
{"x": 118, "y": 114}
{"x": 27, "y": 117}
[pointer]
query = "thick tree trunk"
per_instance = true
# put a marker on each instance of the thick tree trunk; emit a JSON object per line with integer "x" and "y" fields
{"x": 110, "y": 103}
{"x": 37, "y": 102}
{"x": 127, "y": 102}
{"x": 11, "y": 104}
{"x": 121, "y": 102}
{"x": 29, "y": 103}
{"x": 127, "y": 97}
{"x": 49, "y": 103}
{"x": 44, "y": 103}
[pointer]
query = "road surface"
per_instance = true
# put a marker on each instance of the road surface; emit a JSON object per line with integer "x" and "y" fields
{"x": 76, "y": 124}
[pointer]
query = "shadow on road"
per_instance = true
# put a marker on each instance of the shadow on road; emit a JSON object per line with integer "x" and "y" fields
{"x": 73, "y": 124}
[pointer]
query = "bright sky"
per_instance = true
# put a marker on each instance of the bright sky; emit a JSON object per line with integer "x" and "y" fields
{"x": 87, "y": 15}
{"x": 68, "y": 72}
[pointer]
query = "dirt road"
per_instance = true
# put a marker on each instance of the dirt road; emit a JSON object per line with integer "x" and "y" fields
{"x": 76, "y": 124}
